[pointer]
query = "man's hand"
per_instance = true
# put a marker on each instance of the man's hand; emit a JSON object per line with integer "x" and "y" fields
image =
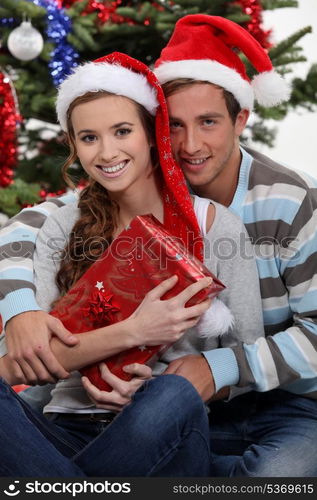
{"x": 8, "y": 371}
{"x": 196, "y": 369}
{"x": 28, "y": 338}
{"x": 122, "y": 390}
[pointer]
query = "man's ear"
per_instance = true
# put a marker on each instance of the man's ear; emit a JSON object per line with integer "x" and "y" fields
{"x": 241, "y": 121}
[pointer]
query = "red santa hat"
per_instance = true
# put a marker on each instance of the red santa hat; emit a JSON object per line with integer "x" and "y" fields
{"x": 205, "y": 48}
{"x": 110, "y": 73}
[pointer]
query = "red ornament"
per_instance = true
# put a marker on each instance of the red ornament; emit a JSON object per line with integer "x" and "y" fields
{"x": 26, "y": 205}
{"x": 53, "y": 194}
{"x": 106, "y": 10}
{"x": 9, "y": 120}
{"x": 82, "y": 184}
{"x": 254, "y": 9}
{"x": 43, "y": 194}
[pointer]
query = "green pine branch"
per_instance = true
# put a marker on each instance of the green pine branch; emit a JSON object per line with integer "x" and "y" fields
{"x": 304, "y": 93}
{"x": 77, "y": 8}
{"x": 18, "y": 194}
{"x": 288, "y": 42}
{"x": 20, "y": 8}
{"x": 262, "y": 133}
{"x": 278, "y": 4}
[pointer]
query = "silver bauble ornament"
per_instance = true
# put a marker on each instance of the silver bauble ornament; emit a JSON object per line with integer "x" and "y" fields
{"x": 25, "y": 42}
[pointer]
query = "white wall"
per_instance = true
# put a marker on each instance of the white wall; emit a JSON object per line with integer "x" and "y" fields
{"x": 296, "y": 141}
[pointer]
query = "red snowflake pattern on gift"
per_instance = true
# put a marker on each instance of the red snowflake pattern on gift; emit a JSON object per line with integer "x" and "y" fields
{"x": 101, "y": 308}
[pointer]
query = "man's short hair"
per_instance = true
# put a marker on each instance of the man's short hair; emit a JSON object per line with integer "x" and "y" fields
{"x": 174, "y": 86}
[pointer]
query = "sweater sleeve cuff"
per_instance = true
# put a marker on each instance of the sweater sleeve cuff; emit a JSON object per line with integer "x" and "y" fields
{"x": 223, "y": 365}
{"x": 18, "y": 302}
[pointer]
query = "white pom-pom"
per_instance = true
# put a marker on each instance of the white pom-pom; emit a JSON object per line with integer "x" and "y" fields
{"x": 270, "y": 88}
{"x": 216, "y": 321}
{"x": 3, "y": 219}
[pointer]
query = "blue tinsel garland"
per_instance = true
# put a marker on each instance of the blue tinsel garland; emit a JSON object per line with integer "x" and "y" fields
{"x": 63, "y": 57}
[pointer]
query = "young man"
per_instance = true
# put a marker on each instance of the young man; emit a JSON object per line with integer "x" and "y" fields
{"x": 209, "y": 99}
{"x": 272, "y": 430}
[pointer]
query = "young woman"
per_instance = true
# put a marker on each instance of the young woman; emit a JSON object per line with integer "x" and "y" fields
{"x": 106, "y": 108}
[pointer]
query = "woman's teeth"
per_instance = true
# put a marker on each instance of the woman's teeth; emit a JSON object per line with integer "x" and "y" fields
{"x": 115, "y": 168}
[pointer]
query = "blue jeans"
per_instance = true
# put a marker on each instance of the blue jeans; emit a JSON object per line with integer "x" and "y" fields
{"x": 271, "y": 434}
{"x": 163, "y": 432}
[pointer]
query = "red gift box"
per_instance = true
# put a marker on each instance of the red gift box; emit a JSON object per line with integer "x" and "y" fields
{"x": 142, "y": 256}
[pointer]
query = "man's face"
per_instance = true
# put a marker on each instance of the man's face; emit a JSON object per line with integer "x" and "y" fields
{"x": 205, "y": 142}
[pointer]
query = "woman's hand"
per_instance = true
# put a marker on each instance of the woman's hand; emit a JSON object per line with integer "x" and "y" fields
{"x": 158, "y": 321}
{"x": 28, "y": 338}
{"x": 122, "y": 390}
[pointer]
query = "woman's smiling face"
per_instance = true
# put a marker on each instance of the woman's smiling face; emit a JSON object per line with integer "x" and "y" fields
{"x": 111, "y": 142}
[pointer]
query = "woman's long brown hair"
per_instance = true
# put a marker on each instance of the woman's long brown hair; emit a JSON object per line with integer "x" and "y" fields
{"x": 92, "y": 233}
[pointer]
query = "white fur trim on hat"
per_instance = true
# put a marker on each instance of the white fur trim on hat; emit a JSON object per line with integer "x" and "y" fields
{"x": 217, "y": 320}
{"x": 210, "y": 71}
{"x": 270, "y": 88}
{"x": 93, "y": 77}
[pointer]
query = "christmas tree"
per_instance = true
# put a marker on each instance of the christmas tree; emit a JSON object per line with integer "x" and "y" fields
{"x": 42, "y": 40}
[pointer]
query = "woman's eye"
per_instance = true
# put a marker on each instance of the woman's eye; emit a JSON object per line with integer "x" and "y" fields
{"x": 123, "y": 131}
{"x": 88, "y": 138}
